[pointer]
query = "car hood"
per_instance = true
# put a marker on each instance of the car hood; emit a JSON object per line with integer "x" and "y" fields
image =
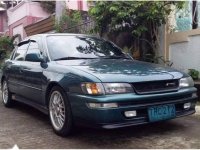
{"x": 123, "y": 70}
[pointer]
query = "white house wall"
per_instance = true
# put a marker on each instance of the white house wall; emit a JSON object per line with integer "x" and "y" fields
{"x": 37, "y": 11}
{"x": 186, "y": 55}
{"x": 24, "y": 9}
{"x": 17, "y": 13}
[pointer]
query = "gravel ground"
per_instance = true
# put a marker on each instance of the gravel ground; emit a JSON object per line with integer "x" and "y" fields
{"x": 29, "y": 128}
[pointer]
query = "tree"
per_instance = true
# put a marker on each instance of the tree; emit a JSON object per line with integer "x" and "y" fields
{"x": 140, "y": 18}
{"x": 48, "y": 6}
{"x": 6, "y": 46}
{"x": 68, "y": 22}
{"x": 194, "y": 15}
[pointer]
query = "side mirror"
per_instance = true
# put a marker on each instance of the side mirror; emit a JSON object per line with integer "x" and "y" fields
{"x": 34, "y": 57}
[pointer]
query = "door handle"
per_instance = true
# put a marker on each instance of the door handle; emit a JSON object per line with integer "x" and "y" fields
{"x": 21, "y": 70}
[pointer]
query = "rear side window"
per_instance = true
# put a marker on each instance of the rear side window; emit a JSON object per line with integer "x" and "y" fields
{"x": 33, "y": 45}
{"x": 34, "y": 48}
{"x": 20, "y": 52}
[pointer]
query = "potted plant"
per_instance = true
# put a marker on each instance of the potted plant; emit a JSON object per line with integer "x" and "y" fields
{"x": 195, "y": 75}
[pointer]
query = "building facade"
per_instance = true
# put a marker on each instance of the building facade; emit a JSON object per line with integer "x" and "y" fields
{"x": 23, "y": 14}
{"x": 17, "y": 15}
{"x": 3, "y": 21}
{"x": 77, "y": 5}
{"x": 47, "y": 25}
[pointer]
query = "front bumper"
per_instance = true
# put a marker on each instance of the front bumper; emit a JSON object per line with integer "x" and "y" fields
{"x": 115, "y": 118}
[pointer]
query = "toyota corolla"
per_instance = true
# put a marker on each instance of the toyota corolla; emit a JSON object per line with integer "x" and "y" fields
{"x": 85, "y": 80}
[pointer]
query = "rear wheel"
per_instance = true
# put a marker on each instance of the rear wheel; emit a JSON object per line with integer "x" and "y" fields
{"x": 6, "y": 95}
{"x": 60, "y": 112}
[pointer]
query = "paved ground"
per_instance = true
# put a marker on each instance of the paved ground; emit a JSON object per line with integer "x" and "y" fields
{"x": 28, "y": 128}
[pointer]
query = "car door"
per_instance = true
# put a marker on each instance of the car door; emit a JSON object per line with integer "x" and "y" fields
{"x": 12, "y": 69}
{"x": 33, "y": 73}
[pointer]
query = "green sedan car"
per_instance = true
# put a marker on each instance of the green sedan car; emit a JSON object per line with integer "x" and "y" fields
{"x": 85, "y": 80}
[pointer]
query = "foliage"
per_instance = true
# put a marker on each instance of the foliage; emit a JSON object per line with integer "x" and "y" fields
{"x": 134, "y": 16}
{"x": 140, "y": 18}
{"x": 48, "y": 6}
{"x": 6, "y": 46}
{"x": 158, "y": 59}
{"x": 194, "y": 74}
{"x": 68, "y": 20}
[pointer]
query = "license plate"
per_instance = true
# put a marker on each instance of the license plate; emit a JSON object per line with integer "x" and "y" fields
{"x": 161, "y": 112}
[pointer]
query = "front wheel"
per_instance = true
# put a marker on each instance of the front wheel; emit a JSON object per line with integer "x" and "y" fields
{"x": 6, "y": 95}
{"x": 60, "y": 112}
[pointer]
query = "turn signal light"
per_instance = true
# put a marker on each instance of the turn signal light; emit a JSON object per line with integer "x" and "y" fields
{"x": 103, "y": 105}
{"x": 92, "y": 88}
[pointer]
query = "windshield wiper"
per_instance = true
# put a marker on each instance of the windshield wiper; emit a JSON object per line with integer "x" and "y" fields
{"x": 114, "y": 57}
{"x": 71, "y": 58}
{"x": 104, "y": 57}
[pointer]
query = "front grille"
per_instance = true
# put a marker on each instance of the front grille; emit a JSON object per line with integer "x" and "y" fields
{"x": 156, "y": 86}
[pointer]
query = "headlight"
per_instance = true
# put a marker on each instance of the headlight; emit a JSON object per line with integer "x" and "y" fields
{"x": 117, "y": 88}
{"x": 106, "y": 88}
{"x": 186, "y": 82}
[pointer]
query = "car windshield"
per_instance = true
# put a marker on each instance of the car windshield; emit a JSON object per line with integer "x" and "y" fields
{"x": 81, "y": 47}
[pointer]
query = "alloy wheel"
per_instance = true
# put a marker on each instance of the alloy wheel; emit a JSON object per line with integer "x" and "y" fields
{"x": 57, "y": 110}
{"x": 5, "y": 92}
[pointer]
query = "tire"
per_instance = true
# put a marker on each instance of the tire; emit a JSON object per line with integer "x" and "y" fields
{"x": 60, "y": 112}
{"x": 6, "y": 95}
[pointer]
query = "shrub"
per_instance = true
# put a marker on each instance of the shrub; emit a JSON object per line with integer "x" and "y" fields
{"x": 6, "y": 46}
{"x": 194, "y": 74}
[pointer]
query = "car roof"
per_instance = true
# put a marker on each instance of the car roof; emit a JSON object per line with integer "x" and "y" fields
{"x": 56, "y": 34}
{"x": 61, "y": 34}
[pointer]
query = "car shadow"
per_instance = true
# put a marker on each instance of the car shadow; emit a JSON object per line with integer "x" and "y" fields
{"x": 31, "y": 111}
{"x": 123, "y": 137}
{"x": 99, "y": 138}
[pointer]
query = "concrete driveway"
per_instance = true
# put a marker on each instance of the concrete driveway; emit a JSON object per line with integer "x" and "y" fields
{"x": 28, "y": 128}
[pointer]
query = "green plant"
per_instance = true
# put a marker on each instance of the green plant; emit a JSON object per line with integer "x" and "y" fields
{"x": 158, "y": 59}
{"x": 134, "y": 16}
{"x": 140, "y": 18}
{"x": 194, "y": 74}
{"x": 48, "y": 6}
{"x": 6, "y": 46}
{"x": 69, "y": 19}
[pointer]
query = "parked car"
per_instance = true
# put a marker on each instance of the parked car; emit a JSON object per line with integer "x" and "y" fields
{"x": 84, "y": 80}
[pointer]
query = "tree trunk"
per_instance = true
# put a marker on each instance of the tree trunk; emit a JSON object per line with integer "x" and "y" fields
{"x": 194, "y": 15}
